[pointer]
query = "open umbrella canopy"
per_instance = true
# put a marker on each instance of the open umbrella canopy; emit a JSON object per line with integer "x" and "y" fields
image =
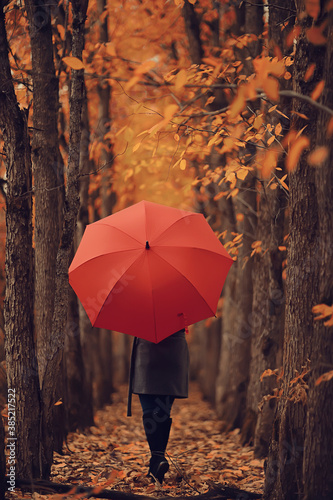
{"x": 149, "y": 270}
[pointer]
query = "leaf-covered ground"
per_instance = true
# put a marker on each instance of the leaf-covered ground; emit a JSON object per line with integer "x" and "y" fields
{"x": 115, "y": 453}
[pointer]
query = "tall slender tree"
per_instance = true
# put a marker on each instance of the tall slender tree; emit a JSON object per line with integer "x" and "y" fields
{"x": 318, "y": 449}
{"x": 78, "y": 373}
{"x": 46, "y": 169}
{"x": 19, "y": 341}
{"x": 306, "y": 284}
{"x": 268, "y": 288}
{"x": 53, "y": 372}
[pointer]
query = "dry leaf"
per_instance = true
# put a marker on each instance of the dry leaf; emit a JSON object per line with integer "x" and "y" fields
{"x": 323, "y": 311}
{"x": 180, "y": 79}
{"x": 169, "y": 111}
{"x": 318, "y": 156}
{"x": 73, "y": 62}
{"x": 182, "y": 164}
{"x": 269, "y": 162}
{"x": 271, "y": 88}
{"x": 318, "y": 90}
{"x": 315, "y": 34}
{"x": 309, "y": 72}
{"x": 296, "y": 149}
{"x": 325, "y": 377}
{"x": 239, "y": 103}
{"x": 295, "y": 32}
{"x": 329, "y": 131}
{"x": 312, "y": 8}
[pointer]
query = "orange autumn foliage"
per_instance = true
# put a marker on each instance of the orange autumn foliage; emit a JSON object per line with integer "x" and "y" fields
{"x": 318, "y": 156}
{"x": 312, "y": 8}
{"x": 318, "y": 90}
{"x": 296, "y": 149}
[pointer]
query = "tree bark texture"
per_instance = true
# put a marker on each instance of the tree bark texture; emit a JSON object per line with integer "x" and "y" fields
{"x": 229, "y": 311}
{"x": 268, "y": 290}
{"x": 267, "y": 321}
{"x": 53, "y": 371}
{"x": 22, "y": 368}
{"x": 47, "y": 171}
{"x": 104, "y": 91}
{"x": 78, "y": 405}
{"x": 284, "y": 475}
{"x": 318, "y": 449}
{"x": 236, "y": 342}
{"x": 86, "y": 166}
{"x": 79, "y": 382}
{"x": 192, "y": 29}
{"x": 209, "y": 356}
{"x": 121, "y": 354}
{"x": 2, "y": 461}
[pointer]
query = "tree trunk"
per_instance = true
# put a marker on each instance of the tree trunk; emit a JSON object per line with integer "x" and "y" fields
{"x": 103, "y": 386}
{"x": 268, "y": 293}
{"x": 237, "y": 329}
{"x": 22, "y": 368}
{"x": 210, "y": 357}
{"x": 284, "y": 477}
{"x": 78, "y": 404}
{"x": 229, "y": 311}
{"x": 46, "y": 171}
{"x": 267, "y": 320}
{"x": 48, "y": 177}
{"x": 2, "y": 461}
{"x": 79, "y": 383}
{"x": 71, "y": 207}
{"x": 318, "y": 449}
{"x": 121, "y": 353}
{"x": 236, "y": 342}
{"x": 192, "y": 28}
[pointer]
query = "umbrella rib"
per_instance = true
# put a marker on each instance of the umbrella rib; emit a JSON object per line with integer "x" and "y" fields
{"x": 152, "y": 299}
{"x": 195, "y": 248}
{"x": 187, "y": 279}
{"x": 188, "y": 214}
{"x": 104, "y": 255}
{"x": 113, "y": 287}
{"x": 121, "y": 231}
{"x": 150, "y": 278}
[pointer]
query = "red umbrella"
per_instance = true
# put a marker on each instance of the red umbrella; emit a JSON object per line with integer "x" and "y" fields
{"x": 149, "y": 270}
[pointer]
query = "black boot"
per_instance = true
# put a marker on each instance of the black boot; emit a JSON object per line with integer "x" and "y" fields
{"x": 157, "y": 433}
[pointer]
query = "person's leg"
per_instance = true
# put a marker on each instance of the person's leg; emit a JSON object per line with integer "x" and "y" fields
{"x": 158, "y": 404}
{"x": 157, "y": 423}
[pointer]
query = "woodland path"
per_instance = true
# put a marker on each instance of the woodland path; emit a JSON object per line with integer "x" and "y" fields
{"x": 115, "y": 453}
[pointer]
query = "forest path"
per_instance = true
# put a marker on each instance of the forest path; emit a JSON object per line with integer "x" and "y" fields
{"x": 115, "y": 453}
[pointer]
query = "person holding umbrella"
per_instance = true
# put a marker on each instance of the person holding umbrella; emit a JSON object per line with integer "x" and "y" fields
{"x": 150, "y": 271}
{"x": 159, "y": 374}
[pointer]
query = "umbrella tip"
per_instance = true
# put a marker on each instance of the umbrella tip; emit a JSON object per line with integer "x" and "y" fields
{"x": 147, "y": 245}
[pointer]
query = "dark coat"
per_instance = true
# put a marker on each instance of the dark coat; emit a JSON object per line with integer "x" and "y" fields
{"x": 161, "y": 369}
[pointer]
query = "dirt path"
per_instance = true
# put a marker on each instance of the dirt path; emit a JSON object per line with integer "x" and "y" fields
{"x": 115, "y": 454}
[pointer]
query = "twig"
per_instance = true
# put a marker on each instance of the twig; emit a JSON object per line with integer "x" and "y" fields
{"x": 105, "y": 164}
{"x": 270, "y": 6}
{"x": 301, "y": 97}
